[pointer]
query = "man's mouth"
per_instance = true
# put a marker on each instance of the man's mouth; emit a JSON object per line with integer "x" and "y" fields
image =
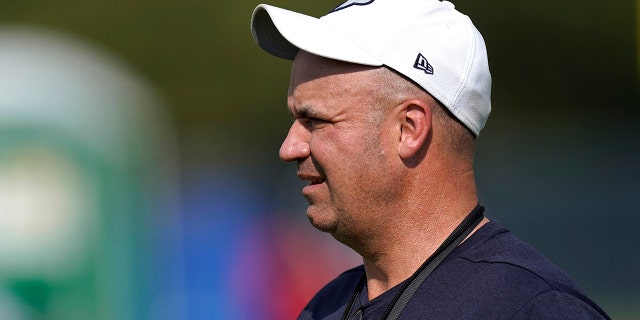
{"x": 314, "y": 183}
{"x": 317, "y": 181}
{"x": 312, "y": 178}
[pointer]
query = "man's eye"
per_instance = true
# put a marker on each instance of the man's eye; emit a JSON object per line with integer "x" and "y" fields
{"x": 314, "y": 122}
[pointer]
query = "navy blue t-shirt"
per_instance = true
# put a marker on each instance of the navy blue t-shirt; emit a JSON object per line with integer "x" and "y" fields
{"x": 492, "y": 275}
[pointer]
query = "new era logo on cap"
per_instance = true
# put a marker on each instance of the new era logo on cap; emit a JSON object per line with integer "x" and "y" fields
{"x": 352, "y": 3}
{"x": 423, "y": 64}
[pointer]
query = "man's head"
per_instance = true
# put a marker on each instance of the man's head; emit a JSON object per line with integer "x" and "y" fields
{"x": 376, "y": 129}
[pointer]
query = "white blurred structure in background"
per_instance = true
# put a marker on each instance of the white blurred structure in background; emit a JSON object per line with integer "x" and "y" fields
{"x": 87, "y": 167}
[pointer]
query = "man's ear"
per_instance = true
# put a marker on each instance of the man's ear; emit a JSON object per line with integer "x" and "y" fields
{"x": 415, "y": 127}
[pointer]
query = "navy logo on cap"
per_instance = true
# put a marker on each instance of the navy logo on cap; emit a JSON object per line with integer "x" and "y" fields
{"x": 352, "y": 3}
{"x": 422, "y": 64}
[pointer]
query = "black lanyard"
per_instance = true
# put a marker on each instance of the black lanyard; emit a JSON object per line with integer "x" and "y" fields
{"x": 410, "y": 286}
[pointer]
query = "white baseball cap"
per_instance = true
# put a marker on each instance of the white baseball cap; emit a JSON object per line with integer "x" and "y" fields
{"x": 428, "y": 41}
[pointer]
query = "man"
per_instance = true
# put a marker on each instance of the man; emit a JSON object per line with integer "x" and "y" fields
{"x": 388, "y": 98}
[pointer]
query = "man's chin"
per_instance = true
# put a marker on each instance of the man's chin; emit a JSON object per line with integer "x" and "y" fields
{"x": 322, "y": 219}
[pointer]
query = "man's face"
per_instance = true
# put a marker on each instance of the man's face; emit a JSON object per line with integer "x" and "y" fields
{"x": 339, "y": 143}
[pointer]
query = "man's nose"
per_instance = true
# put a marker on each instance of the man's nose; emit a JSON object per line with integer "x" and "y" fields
{"x": 295, "y": 146}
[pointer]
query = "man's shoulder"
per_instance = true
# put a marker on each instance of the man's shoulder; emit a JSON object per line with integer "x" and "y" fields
{"x": 494, "y": 248}
{"x": 330, "y": 301}
{"x": 346, "y": 281}
{"x": 495, "y": 272}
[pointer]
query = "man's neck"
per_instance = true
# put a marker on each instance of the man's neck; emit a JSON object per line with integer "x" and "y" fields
{"x": 406, "y": 256}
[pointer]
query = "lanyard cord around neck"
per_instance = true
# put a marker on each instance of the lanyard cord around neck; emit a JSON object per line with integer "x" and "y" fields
{"x": 410, "y": 286}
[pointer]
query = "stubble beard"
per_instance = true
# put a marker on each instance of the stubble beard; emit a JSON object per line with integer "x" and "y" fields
{"x": 323, "y": 219}
{"x": 332, "y": 220}
{"x": 352, "y": 215}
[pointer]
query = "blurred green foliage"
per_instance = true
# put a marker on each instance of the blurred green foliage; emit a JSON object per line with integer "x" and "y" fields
{"x": 548, "y": 56}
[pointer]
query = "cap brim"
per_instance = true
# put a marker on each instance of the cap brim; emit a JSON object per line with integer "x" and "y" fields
{"x": 283, "y": 33}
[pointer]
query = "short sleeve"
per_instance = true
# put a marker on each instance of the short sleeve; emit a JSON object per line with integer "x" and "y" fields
{"x": 558, "y": 305}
